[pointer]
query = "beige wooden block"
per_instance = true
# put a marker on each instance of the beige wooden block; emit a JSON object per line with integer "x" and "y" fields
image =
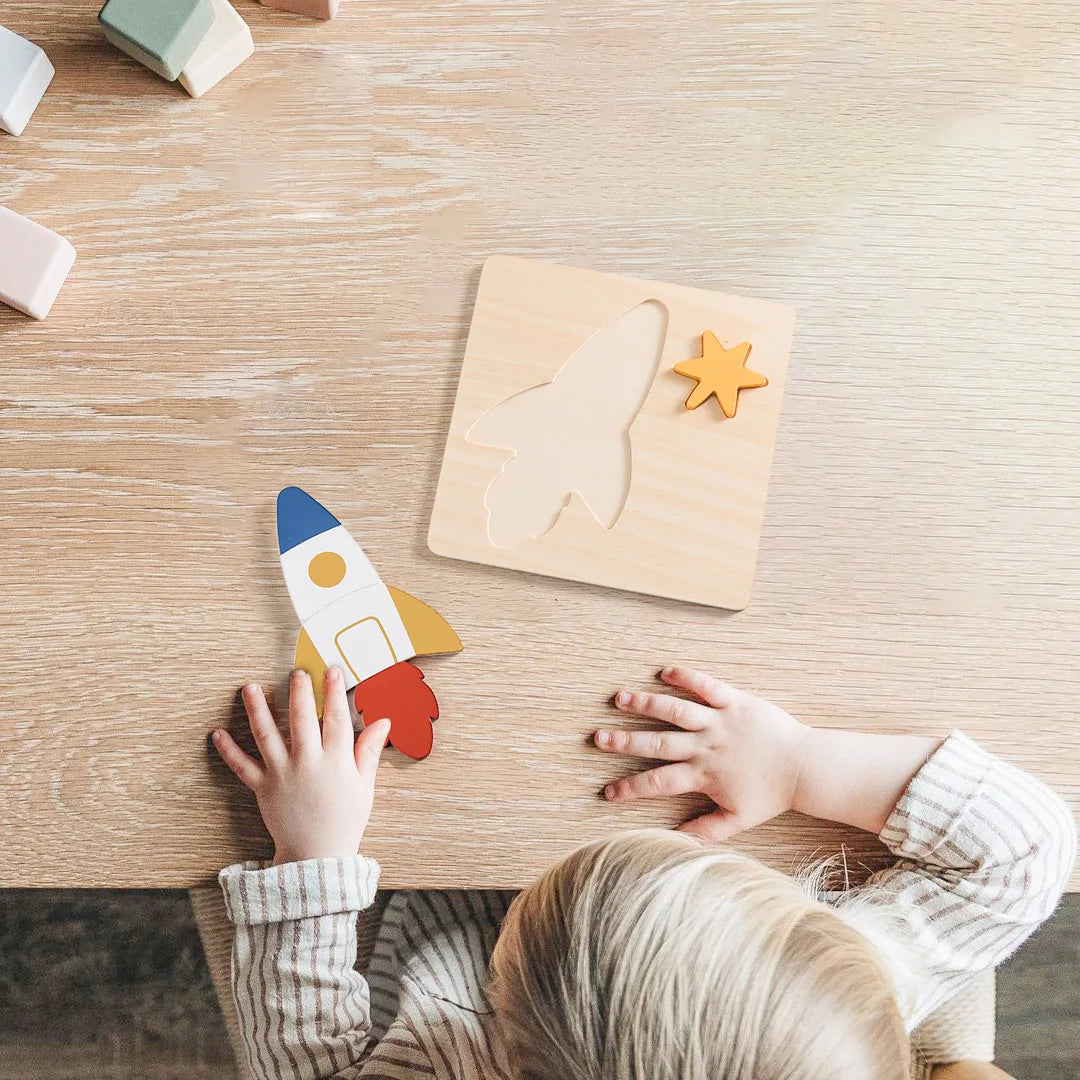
{"x": 589, "y": 478}
{"x": 227, "y": 44}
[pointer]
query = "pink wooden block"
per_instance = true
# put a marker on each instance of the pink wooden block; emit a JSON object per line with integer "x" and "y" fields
{"x": 34, "y": 263}
{"x": 317, "y": 9}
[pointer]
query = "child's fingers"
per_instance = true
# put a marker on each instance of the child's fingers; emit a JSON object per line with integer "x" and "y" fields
{"x": 688, "y": 715}
{"x": 267, "y": 737}
{"x": 712, "y": 691}
{"x": 654, "y": 783}
{"x": 248, "y": 771}
{"x": 304, "y": 734}
{"x": 657, "y": 745}
{"x": 369, "y": 747}
{"x": 337, "y": 732}
{"x": 714, "y": 827}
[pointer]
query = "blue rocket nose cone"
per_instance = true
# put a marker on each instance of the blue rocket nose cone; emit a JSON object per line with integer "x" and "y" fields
{"x": 299, "y": 518}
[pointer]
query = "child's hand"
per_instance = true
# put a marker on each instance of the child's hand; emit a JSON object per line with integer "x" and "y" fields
{"x": 742, "y": 751}
{"x": 315, "y": 794}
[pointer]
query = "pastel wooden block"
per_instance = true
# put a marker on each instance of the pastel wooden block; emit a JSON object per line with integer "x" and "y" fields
{"x": 225, "y": 47}
{"x": 34, "y": 263}
{"x": 25, "y": 73}
{"x": 161, "y": 34}
{"x": 571, "y": 452}
{"x": 317, "y": 9}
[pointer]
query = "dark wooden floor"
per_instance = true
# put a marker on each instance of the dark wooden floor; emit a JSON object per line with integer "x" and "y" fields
{"x": 1039, "y": 1001}
{"x": 114, "y": 986}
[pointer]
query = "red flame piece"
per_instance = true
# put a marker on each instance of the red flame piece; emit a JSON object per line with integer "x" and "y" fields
{"x": 400, "y": 695}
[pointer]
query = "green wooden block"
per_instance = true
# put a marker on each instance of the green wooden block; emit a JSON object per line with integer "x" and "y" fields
{"x": 162, "y": 34}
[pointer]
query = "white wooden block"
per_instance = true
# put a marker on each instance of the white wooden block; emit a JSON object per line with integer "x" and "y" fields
{"x": 25, "y": 73}
{"x": 34, "y": 263}
{"x": 226, "y": 46}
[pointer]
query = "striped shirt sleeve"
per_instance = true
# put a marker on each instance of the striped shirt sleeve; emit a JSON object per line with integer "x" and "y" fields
{"x": 984, "y": 853}
{"x": 304, "y": 1012}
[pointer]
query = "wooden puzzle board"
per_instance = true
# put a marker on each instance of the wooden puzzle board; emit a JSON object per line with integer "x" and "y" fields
{"x": 690, "y": 525}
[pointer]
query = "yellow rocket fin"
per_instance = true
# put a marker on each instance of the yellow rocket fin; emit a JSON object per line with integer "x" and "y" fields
{"x": 308, "y": 659}
{"x": 428, "y": 631}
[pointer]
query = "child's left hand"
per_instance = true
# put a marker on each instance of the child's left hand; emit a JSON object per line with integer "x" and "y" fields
{"x": 315, "y": 794}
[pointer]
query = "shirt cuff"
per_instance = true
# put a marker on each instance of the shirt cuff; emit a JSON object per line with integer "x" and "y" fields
{"x": 937, "y": 796}
{"x": 257, "y": 893}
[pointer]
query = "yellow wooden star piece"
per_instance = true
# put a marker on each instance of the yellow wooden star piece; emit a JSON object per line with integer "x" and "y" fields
{"x": 721, "y": 372}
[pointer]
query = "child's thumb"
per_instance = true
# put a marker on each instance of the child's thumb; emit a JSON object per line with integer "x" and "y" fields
{"x": 713, "y": 828}
{"x": 369, "y": 746}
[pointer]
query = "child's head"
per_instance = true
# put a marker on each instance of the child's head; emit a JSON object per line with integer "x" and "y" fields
{"x": 650, "y": 957}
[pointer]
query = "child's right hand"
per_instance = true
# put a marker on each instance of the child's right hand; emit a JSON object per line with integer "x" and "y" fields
{"x": 742, "y": 751}
{"x": 755, "y": 761}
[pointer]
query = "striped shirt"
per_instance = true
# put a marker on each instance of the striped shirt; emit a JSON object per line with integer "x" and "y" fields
{"x": 983, "y": 852}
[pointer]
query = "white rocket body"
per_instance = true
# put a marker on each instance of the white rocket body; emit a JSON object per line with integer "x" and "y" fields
{"x": 354, "y": 624}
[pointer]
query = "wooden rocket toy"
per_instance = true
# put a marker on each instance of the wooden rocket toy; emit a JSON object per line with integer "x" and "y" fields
{"x": 352, "y": 621}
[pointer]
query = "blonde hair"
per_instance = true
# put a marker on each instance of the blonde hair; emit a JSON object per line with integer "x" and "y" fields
{"x": 648, "y": 956}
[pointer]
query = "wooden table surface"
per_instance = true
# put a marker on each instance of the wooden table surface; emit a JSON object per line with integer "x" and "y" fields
{"x": 274, "y": 285}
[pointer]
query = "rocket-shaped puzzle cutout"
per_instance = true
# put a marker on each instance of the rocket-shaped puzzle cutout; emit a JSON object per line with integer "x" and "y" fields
{"x": 352, "y": 621}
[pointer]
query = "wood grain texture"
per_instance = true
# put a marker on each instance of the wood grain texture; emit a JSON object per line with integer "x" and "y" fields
{"x": 273, "y": 287}
{"x": 695, "y": 485}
